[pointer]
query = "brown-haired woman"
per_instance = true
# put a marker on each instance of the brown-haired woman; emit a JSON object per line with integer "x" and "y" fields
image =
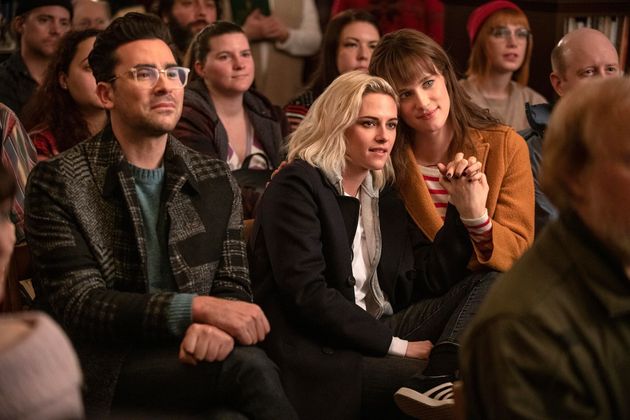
{"x": 222, "y": 116}
{"x": 65, "y": 109}
{"x": 498, "y": 66}
{"x": 348, "y": 42}
{"x": 439, "y": 124}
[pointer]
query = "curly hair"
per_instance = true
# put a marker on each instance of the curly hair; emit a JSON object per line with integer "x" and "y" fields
{"x": 52, "y": 107}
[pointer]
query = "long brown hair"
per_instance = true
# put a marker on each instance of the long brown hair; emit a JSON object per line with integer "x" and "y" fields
{"x": 327, "y": 70}
{"x": 52, "y": 107}
{"x": 400, "y": 58}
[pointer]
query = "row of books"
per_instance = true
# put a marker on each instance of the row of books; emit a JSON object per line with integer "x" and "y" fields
{"x": 611, "y": 26}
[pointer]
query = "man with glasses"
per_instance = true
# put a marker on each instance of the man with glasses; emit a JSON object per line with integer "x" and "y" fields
{"x": 138, "y": 249}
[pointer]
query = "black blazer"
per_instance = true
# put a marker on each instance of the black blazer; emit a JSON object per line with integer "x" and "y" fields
{"x": 301, "y": 268}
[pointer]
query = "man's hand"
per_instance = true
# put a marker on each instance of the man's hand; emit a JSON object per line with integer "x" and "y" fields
{"x": 244, "y": 321}
{"x": 204, "y": 343}
{"x": 419, "y": 349}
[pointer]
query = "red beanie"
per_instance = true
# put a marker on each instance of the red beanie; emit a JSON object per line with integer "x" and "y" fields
{"x": 483, "y": 12}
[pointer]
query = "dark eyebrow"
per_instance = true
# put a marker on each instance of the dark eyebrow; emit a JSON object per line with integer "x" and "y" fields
{"x": 154, "y": 66}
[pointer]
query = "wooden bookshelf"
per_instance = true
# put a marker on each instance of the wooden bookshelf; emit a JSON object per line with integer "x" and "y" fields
{"x": 549, "y": 21}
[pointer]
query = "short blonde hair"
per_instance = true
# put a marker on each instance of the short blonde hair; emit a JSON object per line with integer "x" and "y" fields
{"x": 320, "y": 138}
{"x": 478, "y": 62}
{"x": 577, "y": 126}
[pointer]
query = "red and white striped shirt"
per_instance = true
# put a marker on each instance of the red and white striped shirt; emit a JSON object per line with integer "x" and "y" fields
{"x": 479, "y": 229}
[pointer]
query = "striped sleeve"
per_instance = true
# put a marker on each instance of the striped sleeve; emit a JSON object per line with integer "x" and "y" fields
{"x": 480, "y": 231}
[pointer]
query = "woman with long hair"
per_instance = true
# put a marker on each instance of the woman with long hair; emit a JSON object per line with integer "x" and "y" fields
{"x": 442, "y": 135}
{"x": 65, "y": 109}
{"x": 347, "y": 296}
{"x": 223, "y": 116}
{"x": 498, "y": 66}
{"x": 348, "y": 42}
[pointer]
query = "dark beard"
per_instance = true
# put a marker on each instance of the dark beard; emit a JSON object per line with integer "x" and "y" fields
{"x": 182, "y": 36}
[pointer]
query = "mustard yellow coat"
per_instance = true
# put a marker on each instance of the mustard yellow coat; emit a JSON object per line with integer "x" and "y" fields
{"x": 505, "y": 160}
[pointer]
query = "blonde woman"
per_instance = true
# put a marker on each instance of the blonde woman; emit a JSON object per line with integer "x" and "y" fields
{"x": 498, "y": 67}
{"x": 338, "y": 309}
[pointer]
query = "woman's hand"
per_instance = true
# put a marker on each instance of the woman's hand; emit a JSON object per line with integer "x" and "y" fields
{"x": 466, "y": 184}
{"x": 419, "y": 349}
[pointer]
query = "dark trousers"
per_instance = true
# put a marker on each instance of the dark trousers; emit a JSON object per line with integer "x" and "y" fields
{"x": 440, "y": 319}
{"x": 154, "y": 384}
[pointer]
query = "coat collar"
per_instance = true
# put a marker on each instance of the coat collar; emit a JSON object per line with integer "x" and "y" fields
{"x": 108, "y": 163}
{"x": 415, "y": 193}
{"x": 600, "y": 272}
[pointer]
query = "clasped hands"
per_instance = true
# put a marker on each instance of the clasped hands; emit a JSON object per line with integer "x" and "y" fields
{"x": 466, "y": 184}
{"x": 258, "y": 26}
{"x": 217, "y": 324}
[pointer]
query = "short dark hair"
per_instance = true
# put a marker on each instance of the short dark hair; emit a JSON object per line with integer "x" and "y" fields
{"x": 165, "y": 7}
{"x": 123, "y": 30}
{"x": 200, "y": 46}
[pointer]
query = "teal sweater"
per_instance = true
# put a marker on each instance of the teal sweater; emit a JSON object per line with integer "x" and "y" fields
{"x": 149, "y": 189}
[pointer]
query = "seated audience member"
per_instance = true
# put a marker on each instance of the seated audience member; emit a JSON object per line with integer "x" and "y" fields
{"x": 348, "y": 42}
{"x": 138, "y": 250}
{"x": 186, "y": 18}
{"x": 18, "y": 158}
{"x": 426, "y": 16}
{"x": 440, "y": 124}
{"x": 66, "y": 109}
{"x": 343, "y": 290}
{"x": 39, "y": 25}
{"x": 498, "y": 67}
{"x": 223, "y": 117}
{"x": 552, "y": 338}
{"x": 91, "y": 14}
{"x": 581, "y": 55}
{"x": 280, "y": 41}
{"x": 41, "y": 377}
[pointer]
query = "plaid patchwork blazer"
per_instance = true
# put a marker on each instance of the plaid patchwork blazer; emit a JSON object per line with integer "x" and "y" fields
{"x": 85, "y": 230}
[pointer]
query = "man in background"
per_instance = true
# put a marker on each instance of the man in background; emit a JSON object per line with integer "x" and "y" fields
{"x": 39, "y": 25}
{"x": 186, "y": 18}
{"x": 581, "y": 56}
{"x": 91, "y": 14}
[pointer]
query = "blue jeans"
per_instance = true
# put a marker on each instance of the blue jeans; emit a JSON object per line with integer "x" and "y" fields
{"x": 442, "y": 319}
{"x": 153, "y": 383}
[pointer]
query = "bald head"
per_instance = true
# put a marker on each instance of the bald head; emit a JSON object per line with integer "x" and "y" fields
{"x": 581, "y": 55}
{"x": 90, "y": 14}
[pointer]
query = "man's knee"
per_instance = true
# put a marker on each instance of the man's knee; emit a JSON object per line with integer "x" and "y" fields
{"x": 253, "y": 360}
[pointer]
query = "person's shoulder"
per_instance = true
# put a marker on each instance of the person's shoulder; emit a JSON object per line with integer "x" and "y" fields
{"x": 299, "y": 171}
{"x": 201, "y": 165}
{"x": 529, "y": 95}
{"x": 305, "y": 99}
{"x": 258, "y": 103}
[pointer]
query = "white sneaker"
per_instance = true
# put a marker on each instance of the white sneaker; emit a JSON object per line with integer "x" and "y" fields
{"x": 436, "y": 403}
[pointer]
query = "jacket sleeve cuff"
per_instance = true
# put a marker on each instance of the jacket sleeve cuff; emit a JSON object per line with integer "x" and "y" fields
{"x": 180, "y": 313}
{"x": 398, "y": 347}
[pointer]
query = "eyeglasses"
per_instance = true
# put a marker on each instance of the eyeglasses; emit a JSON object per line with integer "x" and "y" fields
{"x": 504, "y": 32}
{"x": 148, "y": 76}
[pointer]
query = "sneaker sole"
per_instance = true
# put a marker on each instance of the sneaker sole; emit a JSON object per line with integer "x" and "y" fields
{"x": 419, "y": 406}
